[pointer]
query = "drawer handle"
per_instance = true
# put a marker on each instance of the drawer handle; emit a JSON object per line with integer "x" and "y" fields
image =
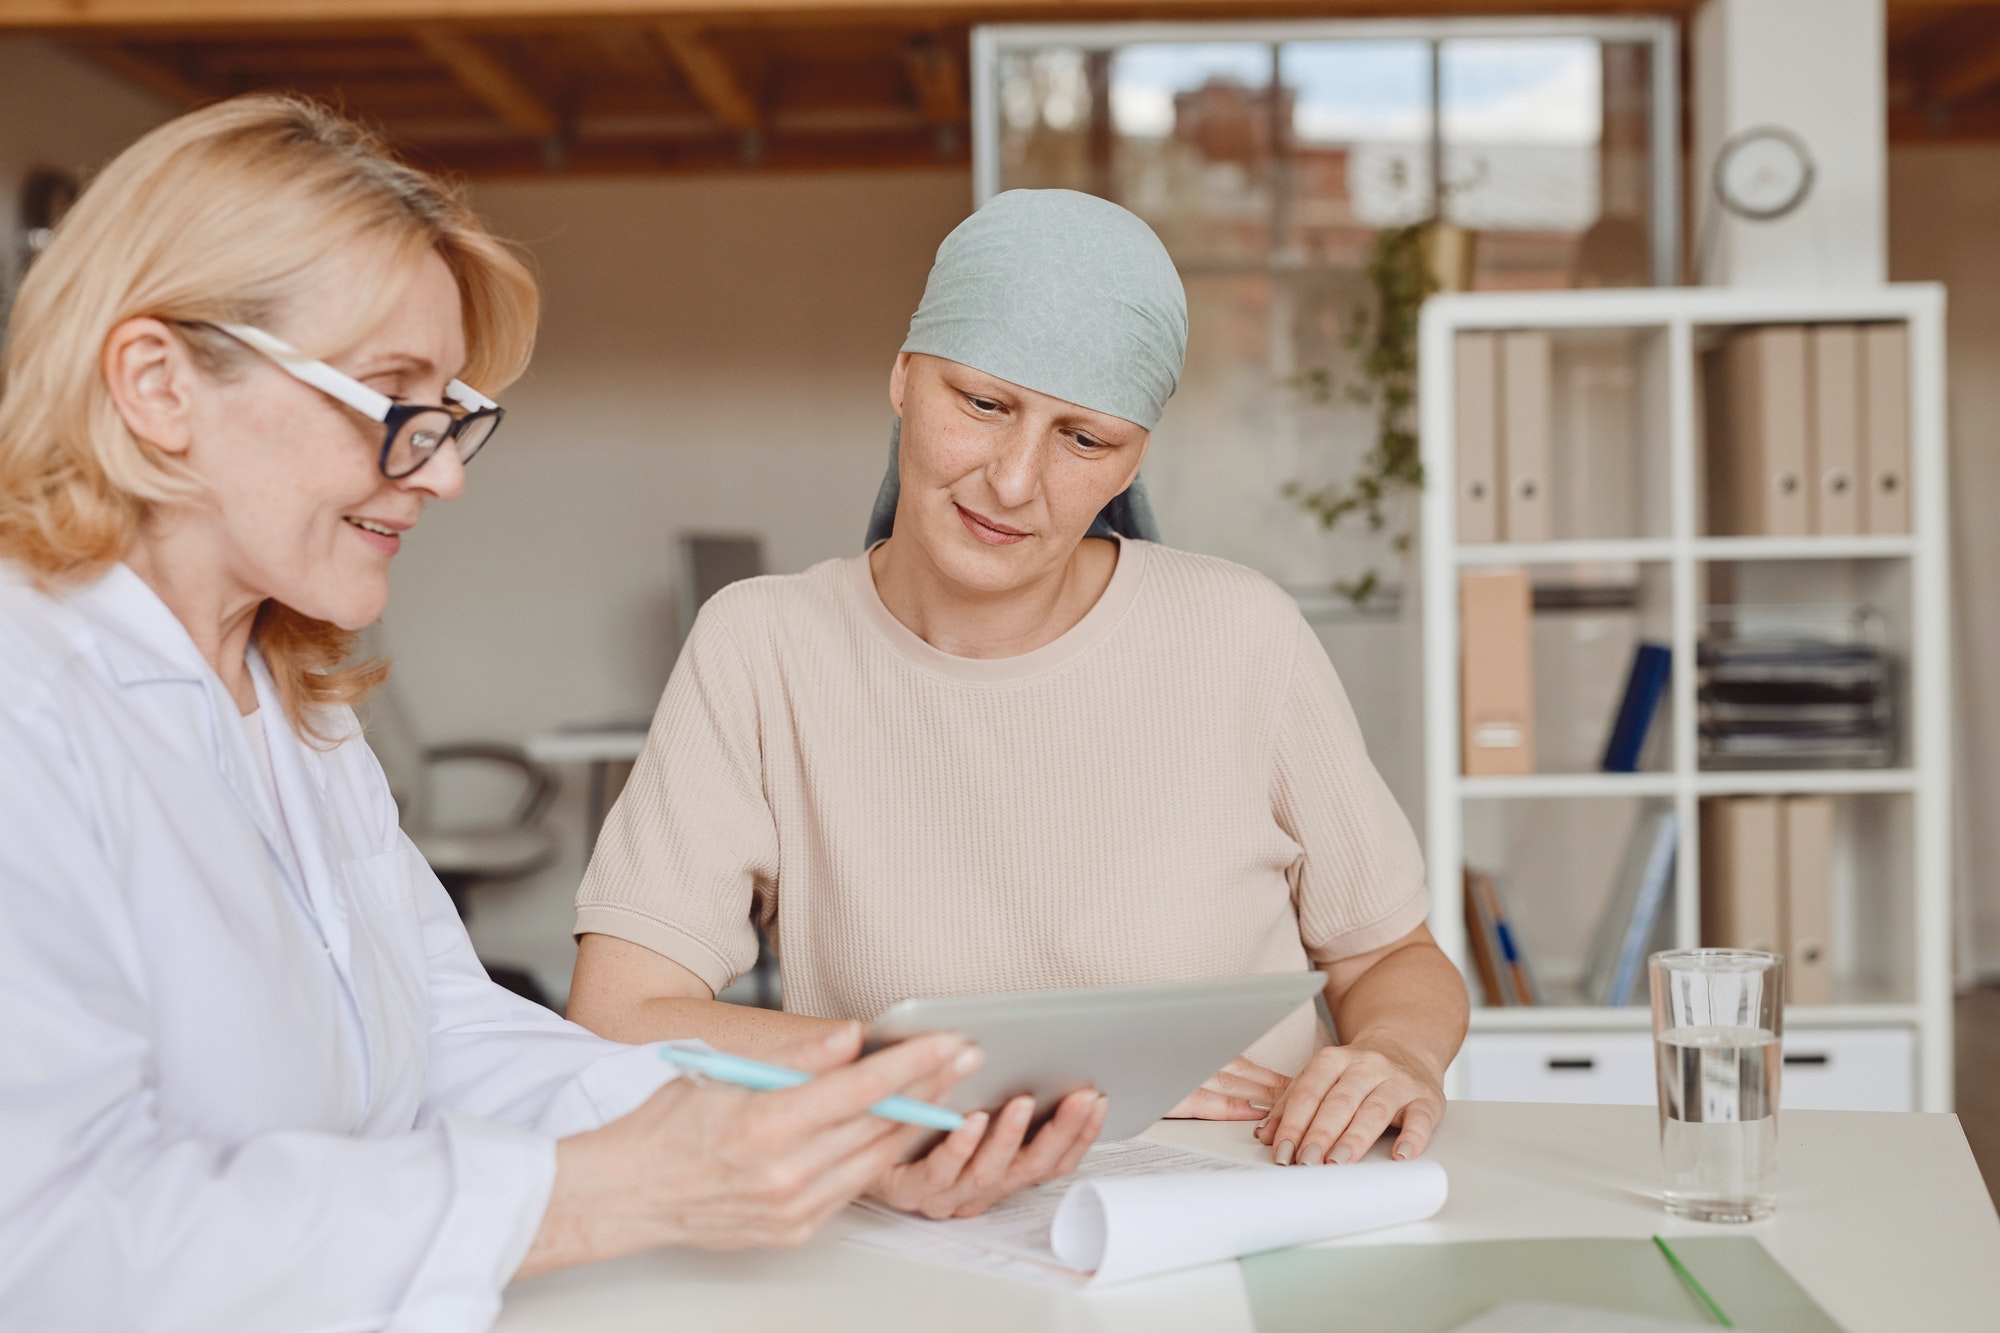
{"x": 1571, "y": 1063}
{"x": 1809, "y": 1058}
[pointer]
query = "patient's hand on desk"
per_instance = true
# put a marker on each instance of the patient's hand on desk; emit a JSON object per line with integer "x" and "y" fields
{"x": 1240, "y": 1090}
{"x": 1345, "y": 1098}
{"x": 974, "y": 1167}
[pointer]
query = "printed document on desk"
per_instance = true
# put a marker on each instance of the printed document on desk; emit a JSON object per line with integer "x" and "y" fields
{"x": 1136, "y": 1208}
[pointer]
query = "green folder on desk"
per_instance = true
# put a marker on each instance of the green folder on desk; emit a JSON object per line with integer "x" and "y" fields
{"x": 1434, "y": 1288}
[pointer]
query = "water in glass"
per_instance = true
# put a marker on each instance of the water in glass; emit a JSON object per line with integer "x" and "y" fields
{"x": 1719, "y": 1122}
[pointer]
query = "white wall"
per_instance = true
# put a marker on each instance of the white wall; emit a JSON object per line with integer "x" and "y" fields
{"x": 1816, "y": 68}
{"x": 1944, "y": 226}
{"x": 56, "y": 111}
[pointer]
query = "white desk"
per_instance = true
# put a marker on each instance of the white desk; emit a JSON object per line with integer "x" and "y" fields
{"x": 1882, "y": 1217}
{"x": 599, "y": 748}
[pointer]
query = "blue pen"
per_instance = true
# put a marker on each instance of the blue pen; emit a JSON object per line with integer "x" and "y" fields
{"x": 768, "y": 1078}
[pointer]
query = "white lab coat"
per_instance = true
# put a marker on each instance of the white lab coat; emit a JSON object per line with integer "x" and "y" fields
{"x": 248, "y": 1081}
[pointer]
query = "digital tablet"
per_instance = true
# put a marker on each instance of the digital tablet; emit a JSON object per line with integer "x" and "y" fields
{"x": 1145, "y": 1047}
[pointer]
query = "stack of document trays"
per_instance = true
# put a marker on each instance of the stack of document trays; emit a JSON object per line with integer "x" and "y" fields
{"x": 1795, "y": 703}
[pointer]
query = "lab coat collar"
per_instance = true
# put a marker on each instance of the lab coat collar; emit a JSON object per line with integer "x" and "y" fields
{"x": 299, "y": 836}
{"x": 141, "y": 639}
{"x": 288, "y": 749}
{"x": 142, "y": 642}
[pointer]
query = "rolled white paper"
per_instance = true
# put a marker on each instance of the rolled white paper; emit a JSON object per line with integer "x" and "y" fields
{"x": 1135, "y": 1226}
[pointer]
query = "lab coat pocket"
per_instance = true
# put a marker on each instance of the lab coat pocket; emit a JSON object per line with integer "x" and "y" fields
{"x": 391, "y": 979}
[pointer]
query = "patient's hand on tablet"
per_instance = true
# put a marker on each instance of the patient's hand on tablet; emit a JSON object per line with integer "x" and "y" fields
{"x": 974, "y": 1167}
{"x": 1240, "y": 1090}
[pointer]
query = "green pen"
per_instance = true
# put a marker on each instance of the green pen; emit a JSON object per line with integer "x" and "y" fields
{"x": 1693, "y": 1284}
{"x": 768, "y": 1078}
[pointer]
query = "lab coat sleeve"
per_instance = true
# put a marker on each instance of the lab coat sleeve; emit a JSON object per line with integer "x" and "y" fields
{"x": 111, "y": 1216}
{"x": 508, "y": 1060}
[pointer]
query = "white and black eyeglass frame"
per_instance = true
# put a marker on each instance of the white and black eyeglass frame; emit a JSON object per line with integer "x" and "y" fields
{"x": 412, "y": 432}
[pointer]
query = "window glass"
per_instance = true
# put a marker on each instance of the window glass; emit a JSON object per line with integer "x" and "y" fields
{"x": 1360, "y": 147}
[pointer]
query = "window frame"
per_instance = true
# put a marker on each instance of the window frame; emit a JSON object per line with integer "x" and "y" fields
{"x": 1662, "y": 35}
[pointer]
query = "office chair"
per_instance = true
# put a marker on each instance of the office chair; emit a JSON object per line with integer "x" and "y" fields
{"x": 463, "y": 856}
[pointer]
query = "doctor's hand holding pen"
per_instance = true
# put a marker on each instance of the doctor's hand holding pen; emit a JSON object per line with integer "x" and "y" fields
{"x": 715, "y": 1166}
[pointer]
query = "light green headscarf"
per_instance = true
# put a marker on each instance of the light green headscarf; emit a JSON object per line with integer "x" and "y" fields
{"x": 1066, "y": 294}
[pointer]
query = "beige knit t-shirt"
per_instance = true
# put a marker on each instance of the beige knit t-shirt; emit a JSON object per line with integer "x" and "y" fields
{"x": 1174, "y": 789}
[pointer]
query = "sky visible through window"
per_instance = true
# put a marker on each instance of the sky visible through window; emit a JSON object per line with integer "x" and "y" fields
{"x": 1521, "y": 117}
{"x": 1511, "y": 90}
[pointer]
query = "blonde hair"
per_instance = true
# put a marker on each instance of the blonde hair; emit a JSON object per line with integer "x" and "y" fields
{"x": 220, "y": 216}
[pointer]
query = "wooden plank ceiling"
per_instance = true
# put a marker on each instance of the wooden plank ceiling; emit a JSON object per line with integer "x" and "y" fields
{"x": 512, "y": 87}
{"x": 1944, "y": 72}
{"x": 658, "y": 95}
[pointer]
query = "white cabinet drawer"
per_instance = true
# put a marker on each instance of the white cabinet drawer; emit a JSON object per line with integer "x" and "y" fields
{"x": 1849, "y": 1069}
{"x": 1596, "y": 1068}
{"x": 1845, "y": 1069}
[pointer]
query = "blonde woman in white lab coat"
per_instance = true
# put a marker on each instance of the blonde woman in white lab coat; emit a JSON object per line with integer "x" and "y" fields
{"x": 251, "y": 1075}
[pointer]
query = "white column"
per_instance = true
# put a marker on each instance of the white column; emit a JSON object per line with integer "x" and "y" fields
{"x": 1817, "y": 68}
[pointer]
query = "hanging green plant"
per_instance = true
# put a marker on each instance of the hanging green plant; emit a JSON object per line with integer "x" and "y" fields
{"x": 1402, "y": 274}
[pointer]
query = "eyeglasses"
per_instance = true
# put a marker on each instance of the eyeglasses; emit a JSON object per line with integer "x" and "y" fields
{"x": 412, "y": 432}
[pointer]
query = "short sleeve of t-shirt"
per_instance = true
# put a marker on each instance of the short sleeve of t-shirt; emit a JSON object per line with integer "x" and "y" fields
{"x": 1360, "y": 883}
{"x": 690, "y": 844}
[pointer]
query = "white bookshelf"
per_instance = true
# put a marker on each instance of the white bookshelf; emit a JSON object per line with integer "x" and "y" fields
{"x": 1893, "y": 958}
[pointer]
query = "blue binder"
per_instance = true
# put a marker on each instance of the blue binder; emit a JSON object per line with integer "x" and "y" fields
{"x": 1651, "y": 667}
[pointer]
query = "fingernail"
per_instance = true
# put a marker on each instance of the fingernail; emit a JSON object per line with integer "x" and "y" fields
{"x": 1261, "y": 1106}
{"x": 1342, "y": 1153}
{"x": 1311, "y": 1155}
{"x": 837, "y": 1040}
{"x": 1103, "y": 1103}
{"x": 1402, "y": 1152}
{"x": 968, "y": 1060}
{"x": 1284, "y": 1153}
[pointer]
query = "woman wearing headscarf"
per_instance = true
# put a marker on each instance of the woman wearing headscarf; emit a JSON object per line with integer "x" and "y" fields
{"x": 1017, "y": 744}
{"x": 251, "y": 1074}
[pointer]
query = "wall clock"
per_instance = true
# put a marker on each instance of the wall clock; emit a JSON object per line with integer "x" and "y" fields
{"x": 1763, "y": 173}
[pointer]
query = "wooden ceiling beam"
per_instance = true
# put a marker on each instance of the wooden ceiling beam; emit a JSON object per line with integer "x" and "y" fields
{"x": 628, "y": 50}
{"x": 1970, "y": 67}
{"x": 711, "y": 77}
{"x": 675, "y": 156}
{"x": 937, "y": 76}
{"x": 491, "y": 83}
{"x": 188, "y": 15}
{"x": 148, "y": 75}
{"x": 1977, "y": 121}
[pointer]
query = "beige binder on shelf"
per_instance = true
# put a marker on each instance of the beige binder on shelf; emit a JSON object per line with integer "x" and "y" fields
{"x": 1808, "y": 906}
{"x": 1742, "y": 873}
{"x": 1834, "y": 497}
{"x": 1759, "y": 446}
{"x": 1476, "y": 424}
{"x": 1496, "y": 673}
{"x": 1886, "y": 442}
{"x": 1526, "y": 426}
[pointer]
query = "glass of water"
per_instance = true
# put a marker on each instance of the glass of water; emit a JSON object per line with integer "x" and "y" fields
{"x": 1718, "y": 1016}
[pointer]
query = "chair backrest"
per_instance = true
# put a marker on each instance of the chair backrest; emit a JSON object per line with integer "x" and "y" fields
{"x": 710, "y": 562}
